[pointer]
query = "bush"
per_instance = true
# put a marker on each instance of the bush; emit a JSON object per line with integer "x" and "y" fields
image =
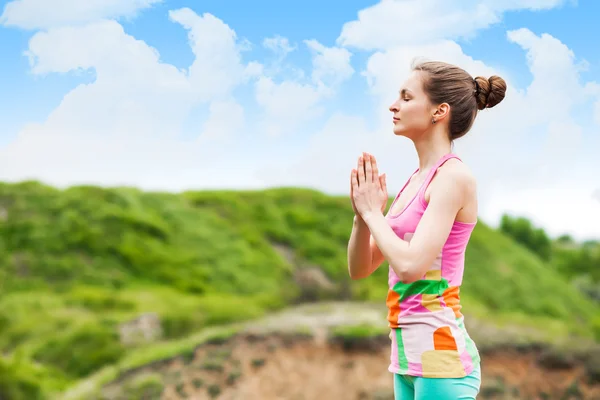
{"x": 16, "y": 385}
{"x": 180, "y": 323}
{"x": 523, "y": 231}
{"x": 77, "y": 262}
{"x": 82, "y": 350}
{"x": 98, "y": 299}
{"x": 214, "y": 310}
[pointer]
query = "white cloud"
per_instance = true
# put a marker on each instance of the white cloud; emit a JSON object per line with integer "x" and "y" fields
{"x": 149, "y": 163}
{"x": 597, "y": 112}
{"x": 596, "y": 194}
{"x": 333, "y": 151}
{"x": 287, "y": 104}
{"x": 217, "y": 68}
{"x": 45, "y": 14}
{"x": 518, "y": 150}
{"x": 531, "y": 130}
{"x": 561, "y": 208}
{"x": 133, "y": 92}
{"x": 330, "y": 64}
{"x": 555, "y": 93}
{"x": 548, "y": 59}
{"x": 385, "y": 72}
{"x": 391, "y": 23}
{"x": 592, "y": 90}
{"x": 125, "y": 126}
{"x": 226, "y": 118}
{"x": 326, "y": 161}
{"x": 279, "y": 45}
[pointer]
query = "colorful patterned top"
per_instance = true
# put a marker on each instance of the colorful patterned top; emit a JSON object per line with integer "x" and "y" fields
{"x": 428, "y": 333}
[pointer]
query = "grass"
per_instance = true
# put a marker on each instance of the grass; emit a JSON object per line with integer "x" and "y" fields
{"x": 90, "y": 386}
{"x": 77, "y": 263}
{"x": 358, "y": 331}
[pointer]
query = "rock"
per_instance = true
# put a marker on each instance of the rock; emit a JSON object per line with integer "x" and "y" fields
{"x": 146, "y": 328}
{"x": 313, "y": 283}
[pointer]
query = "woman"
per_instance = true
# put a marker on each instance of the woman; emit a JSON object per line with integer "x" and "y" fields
{"x": 425, "y": 233}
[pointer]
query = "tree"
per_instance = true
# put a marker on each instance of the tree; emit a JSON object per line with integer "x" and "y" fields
{"x": 523, "y": 231}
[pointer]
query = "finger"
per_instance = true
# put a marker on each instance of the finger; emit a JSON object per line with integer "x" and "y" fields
{"x": 368, "y": 169}
{"x": 354, "y": 180}
{"x": 383, "y": 183}
{"x": 361, "y": 170}
{"x": 366, "y": 158}
{"x": 375, "y": 169}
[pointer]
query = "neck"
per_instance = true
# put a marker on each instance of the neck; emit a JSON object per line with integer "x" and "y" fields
{"x": 430, "y": 148}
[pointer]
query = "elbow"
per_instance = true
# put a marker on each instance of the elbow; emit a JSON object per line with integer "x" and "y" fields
{"x": 408, "y": 278}
{"x": 407, "y": 271}
{"x": 358, "y": 272}
{"x": 356, "y": 275}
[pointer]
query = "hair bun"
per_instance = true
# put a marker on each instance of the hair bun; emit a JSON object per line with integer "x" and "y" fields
{"x": 491, "y": 91}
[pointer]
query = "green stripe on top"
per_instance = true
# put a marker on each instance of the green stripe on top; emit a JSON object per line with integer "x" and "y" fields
{"x": 470, "y": 345}
{"x": 402, "y": 360}
{"x": 423, "y": 286}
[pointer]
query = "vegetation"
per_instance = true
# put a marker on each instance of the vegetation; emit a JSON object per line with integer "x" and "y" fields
{"x": 77, "y": 264}
{"x": 523, "y": 231}
{"x": 577, "y": 263}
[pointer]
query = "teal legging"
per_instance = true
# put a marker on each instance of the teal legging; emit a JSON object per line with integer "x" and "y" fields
{"x": 419, "y": 388}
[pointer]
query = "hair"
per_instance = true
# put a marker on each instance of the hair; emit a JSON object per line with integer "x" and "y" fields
{"x": 446, "y": 83}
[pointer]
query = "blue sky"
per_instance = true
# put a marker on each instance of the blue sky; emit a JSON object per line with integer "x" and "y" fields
{"x": 291, "y": 122}
{"x": 28, "y": 98}
{"x": 25, "y": 97}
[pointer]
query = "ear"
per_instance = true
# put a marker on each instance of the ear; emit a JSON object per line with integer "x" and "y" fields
{"x": 442, "y": 111}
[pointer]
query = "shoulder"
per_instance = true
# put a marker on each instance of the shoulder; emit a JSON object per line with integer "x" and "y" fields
{"x": 455, "y": 179}
{"x": 456, "y": 173}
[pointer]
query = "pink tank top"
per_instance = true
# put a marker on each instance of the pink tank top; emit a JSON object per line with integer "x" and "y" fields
{"x": 428, "y": 334}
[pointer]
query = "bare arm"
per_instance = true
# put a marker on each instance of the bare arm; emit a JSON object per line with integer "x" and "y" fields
{"x": 410, "y": 260}
{"x": 364, "y": 257}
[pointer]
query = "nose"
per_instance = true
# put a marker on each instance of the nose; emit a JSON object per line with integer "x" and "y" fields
{"x": 395, "y": 107}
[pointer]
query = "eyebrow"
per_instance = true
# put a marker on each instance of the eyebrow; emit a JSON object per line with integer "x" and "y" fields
{"x": 404, "y": 91}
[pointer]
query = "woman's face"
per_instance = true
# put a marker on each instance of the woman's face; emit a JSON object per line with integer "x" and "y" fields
{"x": 412, "y": 112}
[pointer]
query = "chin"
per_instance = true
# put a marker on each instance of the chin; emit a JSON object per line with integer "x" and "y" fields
{"x": 399, "y": 132}
{"x": 407, "y": 132}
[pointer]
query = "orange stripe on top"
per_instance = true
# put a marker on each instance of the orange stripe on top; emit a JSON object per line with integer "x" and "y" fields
{"x": 443, "y": 339}
{"x": 452, "y": 299}
{"x": 393, "y": 303}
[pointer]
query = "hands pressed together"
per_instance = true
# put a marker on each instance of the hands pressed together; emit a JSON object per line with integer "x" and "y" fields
{"x": 368, "y": 189}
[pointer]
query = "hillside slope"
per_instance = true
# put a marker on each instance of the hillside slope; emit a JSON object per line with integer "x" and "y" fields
{"x": 332, "y": 350}
{"x": 78, "y": 263}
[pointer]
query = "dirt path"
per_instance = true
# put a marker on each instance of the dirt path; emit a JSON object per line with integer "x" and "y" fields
{"x": 291, "y": 355}
{"x": 316, "y": 317}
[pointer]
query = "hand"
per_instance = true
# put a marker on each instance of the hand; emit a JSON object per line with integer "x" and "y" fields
{"x": 368, "y": 189}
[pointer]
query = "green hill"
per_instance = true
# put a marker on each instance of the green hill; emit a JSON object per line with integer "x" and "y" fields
{"x": 76, "y": 263}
